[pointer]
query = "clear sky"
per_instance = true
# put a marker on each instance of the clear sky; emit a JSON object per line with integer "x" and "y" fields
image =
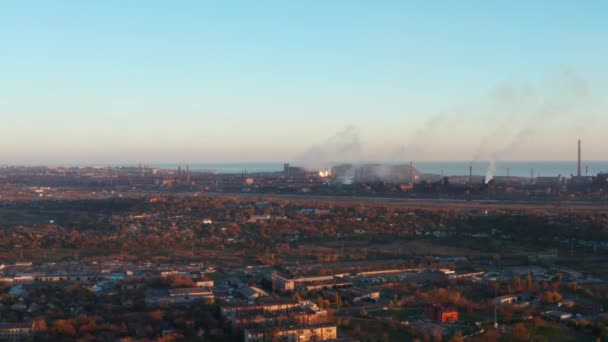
{"x": 215, "y": 81}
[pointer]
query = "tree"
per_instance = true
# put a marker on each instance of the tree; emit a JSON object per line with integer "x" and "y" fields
{"x": 529, "y": 282}
{"x": 520, "y": 332}
{"x": 550, "y": 297}
{"x": 338, "y": 301}
{"x": 64, "y": 327}
{"x": 492, "y": 335}
{"x": 437, "y": 336}
{"x": 516, "y": 282}
{"x": 457, "y": 337}
{"x": 557, "y": 280}
{"x": 157, "y": 315}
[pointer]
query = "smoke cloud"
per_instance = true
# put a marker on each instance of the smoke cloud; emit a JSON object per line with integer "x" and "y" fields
{"x": 417, "y": 146}
{"x": 524, "y": 111}
{"x": 491, "y": 172}
{"x": 513, "y": 117}
{"x": 344, "y": 146}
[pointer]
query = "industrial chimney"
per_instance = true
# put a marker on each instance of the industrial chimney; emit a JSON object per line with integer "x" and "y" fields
{"x": 411, "y": 172}
{"x": 579, "y": 173}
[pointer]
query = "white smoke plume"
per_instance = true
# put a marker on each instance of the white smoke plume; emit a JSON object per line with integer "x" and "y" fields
{"x": 524, "y": 111}
{"x": 491, "y": 172}
{"x": 417, "y": 145}
{"x": 344, "y": 146}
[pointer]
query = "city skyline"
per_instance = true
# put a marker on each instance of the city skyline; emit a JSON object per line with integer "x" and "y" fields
{"x": 101, "y": 83}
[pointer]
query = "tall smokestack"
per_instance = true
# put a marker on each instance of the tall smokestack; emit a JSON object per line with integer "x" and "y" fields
{"x": 579, "y": 173}
{"x": 471, "y": 175}
{"x": 532, "y": 175}
{"x": 411, "y": 172}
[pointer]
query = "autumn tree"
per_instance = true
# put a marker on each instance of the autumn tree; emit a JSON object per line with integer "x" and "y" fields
{"x": 550, "y": 297}
{"x": 64, "y": 327}
{"x": 520, "y": 332}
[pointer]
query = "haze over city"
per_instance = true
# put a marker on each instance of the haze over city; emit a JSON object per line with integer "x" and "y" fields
{"x": 324, "y": 170}
{"x": 241, "y": 81}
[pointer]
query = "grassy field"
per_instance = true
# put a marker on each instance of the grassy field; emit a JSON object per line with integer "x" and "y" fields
{"x": 432, "y": 203}
{"x": 16, "y": 217}
{"x": 552, "y": 332}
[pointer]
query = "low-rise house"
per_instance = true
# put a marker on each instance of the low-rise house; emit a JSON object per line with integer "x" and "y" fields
{"x": 169, "y": 273}
{"x": 252, "y": 292}
{"x": 334, "y": 283}
{"x": 465, "y": 275}
{"x": 258, "y": 218}
{"x": 391, "y": 272}
{"x": 520, "y": 299}
{"x": 66, "y": 277}
{"x": 23, "y": 264}
{"x": 359, "y": 294}
{"x": 179, "y": 296}
{"x": 231, "y": 310}
{"x": 566, "y": 303}
{"x": 191, "y": 292}
{"x": 282, "y": 283}
{"x": 309, "y": 283}
{"x": 23, "y": 278}
{"x": 6, "y": 280}
{"x": 558, "y": 315}
{"x": 268, "y": 313}
{"x": 203, "y": 282}
{"x": 15, "y": 331}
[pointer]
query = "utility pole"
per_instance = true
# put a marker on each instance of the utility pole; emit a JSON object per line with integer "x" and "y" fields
{"x": 495, "y": 295}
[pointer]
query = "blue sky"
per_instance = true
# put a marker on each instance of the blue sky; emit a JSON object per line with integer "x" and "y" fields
{"x": 211, "y": 81}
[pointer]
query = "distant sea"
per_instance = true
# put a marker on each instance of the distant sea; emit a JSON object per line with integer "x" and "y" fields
{"x": 448, "y": 168}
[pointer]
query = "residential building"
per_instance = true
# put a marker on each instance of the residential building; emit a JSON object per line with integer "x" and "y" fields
{"x": 15, "y": 331}
{"x": 441, "y": 314}
{"x": 299, "y": 333}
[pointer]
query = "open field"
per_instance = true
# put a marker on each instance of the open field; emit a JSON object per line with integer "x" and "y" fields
{"x": 438, "y": 203}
